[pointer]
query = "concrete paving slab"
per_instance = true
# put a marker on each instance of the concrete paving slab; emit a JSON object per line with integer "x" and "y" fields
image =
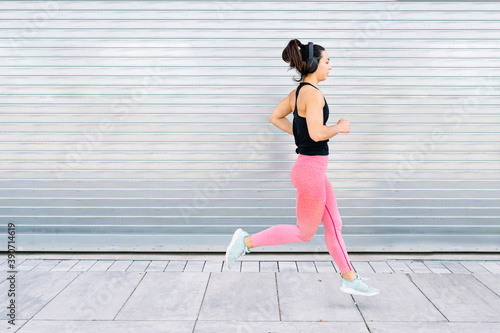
{"x": 314, "y": 297}
{"x": 491, "y": 281}
{"x": 36, "y": 289}
{"x": 455, "y": 267}
{"x": 157, "y": 266}
{"x": 399, "y": 300}
{"x": 437, "y": 267}
{"x": 269, "y": 266}
{"x": 166, "y": 296}
{"x": 82, "y": 265}
{"x": 64, "y": 265}
{"x": 362, "y": 267}
{"x": 13, "y": 328}
{"x": 92, "y": 296}
{"x": 381, "y": 267}
{"x": 459, "y": 296}
{"x": 194, "y": 266}
{"x": 242, "y": 297}
{"x": 43, "y": 326}
{"x": 324, "y": 267}
{"x": 474, "y": 267}
{"x": 430, "y": 327}
{"x": 491, "y": 266}
{"x": 138, "y": 266}
{"x": 278, "y": 327}
{"x": 399, "y": 266}
{"x": 120, "y": 266}
{"x": 4, "y": 266}
{"x": 287, "y": 266}
{"x": 417, "y": 266}
{"x": 213, "y": 266}
{"x": 250, "y": 266}
{"x": 46, "y": 265}
{"x": 28, "y": 265}
{"x": 101, "y": 266}
{"x": 306, "y": 267}
{"x": 176, "y": 266}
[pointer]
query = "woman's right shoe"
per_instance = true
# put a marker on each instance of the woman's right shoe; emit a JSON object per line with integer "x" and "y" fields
{"x": 237, "y": 247}
{"x": 357, "y": 287}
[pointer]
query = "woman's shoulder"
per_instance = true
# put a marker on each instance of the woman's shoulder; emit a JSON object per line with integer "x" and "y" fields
{"x": 308, "y": 94}
{"x": 308, "y": 91}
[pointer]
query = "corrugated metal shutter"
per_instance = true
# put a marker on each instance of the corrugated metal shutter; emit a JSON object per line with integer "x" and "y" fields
{"x": 143, "y": 125}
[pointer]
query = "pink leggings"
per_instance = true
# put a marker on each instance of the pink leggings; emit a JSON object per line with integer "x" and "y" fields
{"x": 315, "y": 203}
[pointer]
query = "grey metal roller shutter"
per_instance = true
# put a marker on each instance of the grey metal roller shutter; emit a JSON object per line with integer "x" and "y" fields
{"x": 143, "y": 125}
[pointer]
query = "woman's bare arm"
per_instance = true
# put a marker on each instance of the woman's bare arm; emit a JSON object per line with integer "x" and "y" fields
{"x": 314, "y": 119}
{"x": 278, "y": 116}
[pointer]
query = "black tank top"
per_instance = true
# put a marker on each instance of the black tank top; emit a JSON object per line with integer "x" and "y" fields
{"x": 306, "y": 145}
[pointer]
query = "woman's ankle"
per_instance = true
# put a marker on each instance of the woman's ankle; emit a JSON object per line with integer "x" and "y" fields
{"x": 349, "y": 276}
{"x": 248, "y": 242}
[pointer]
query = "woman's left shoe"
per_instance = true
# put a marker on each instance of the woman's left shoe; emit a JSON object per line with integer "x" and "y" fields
{"x": 357, "y": 287}
{"x": 237, "y": 247}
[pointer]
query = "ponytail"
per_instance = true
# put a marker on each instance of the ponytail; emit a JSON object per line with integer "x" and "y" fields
{"x": 296, "y": 54}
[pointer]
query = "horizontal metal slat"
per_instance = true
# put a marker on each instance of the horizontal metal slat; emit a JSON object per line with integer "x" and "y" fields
{"x": 278, "y": 23}
{"x": 337, "y": 157}
{"x": 199, "y": 32}
{"x": 273, "y": 5}
{"x": 239, "y": 71}
{"x": 241, "y": 166}
{"x": 331, "y": 93}
{"x": 388, "y": 177}
{"x": 240, "y": 47}
{"x": 464, "y": 107}
{"x": 269, "y": 212}
{"x": 265, "y": 15}
{"x": 187, "y": 222}
{"x": 284, "y": 149}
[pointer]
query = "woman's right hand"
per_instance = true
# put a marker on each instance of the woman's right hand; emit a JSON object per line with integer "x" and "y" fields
{"x": 344, "y": 125}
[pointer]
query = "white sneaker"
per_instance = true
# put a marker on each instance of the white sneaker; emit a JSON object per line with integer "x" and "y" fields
{"x": 357, "y": 287}
{"x": 237, "y": 247}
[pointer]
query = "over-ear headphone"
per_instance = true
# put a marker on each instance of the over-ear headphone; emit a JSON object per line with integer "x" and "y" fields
{"x": 312, "y": 62}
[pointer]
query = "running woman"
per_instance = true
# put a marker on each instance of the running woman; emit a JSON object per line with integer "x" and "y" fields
{"x": 315, "y": 200}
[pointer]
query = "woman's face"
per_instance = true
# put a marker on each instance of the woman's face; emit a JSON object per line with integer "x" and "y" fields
{"x": 323, "y": 66}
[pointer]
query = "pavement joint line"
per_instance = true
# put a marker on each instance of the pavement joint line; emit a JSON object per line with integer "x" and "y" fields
{"x": 442, "y": 264}
{"x": 434, "y": 305}
{"x": 63, "y": 260}
{"x": 60, "y": 291}
{"x": 165, "y": 268}
{"x": 481, "y": 263}
{"x": 202, "y": 300}
{"x": 451, "y": 270}
{"x": 277, "y": 294}
{"x": 359, "y": 310}
{"x": 88, "y": 269}
{"x": 143, "y": 276}
{"x": 485, "y": 285}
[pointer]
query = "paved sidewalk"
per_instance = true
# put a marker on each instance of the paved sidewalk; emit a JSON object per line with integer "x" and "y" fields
{"x": 130, "y": 293}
